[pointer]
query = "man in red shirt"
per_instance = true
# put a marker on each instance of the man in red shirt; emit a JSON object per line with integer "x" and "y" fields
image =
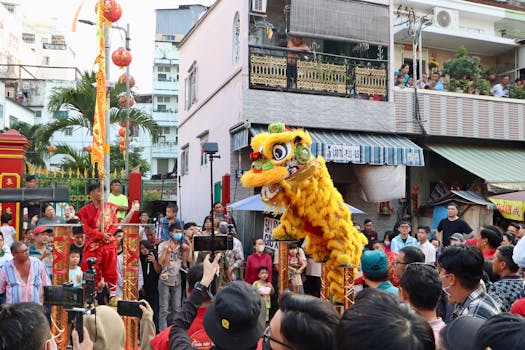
{"x": 488, "y": 241}
{"x": 100, "y": 243}
{"x": 198, "y": 336}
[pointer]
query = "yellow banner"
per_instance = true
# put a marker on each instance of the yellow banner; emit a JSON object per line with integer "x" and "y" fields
{"x": 99, "y": 124}
{"x": 512, "y": 210}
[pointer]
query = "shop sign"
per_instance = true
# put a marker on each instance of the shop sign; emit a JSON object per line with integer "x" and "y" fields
{"x": 512, "y": 210}
{"x": 343, "y": 153}
{"x": 269, "y": 225}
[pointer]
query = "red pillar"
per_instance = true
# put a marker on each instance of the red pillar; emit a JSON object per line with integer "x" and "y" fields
{"x": 225, "y": 190}
{"x": 12, "y": 168}
{"x": 135, "y": 193}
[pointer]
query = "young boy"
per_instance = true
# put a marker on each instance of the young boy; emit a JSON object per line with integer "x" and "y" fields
{"x": 8, "y": 231}
{"x": 264, "y": 288}
{"x": 75, "y": 272}
{"x": 170, "y": 258}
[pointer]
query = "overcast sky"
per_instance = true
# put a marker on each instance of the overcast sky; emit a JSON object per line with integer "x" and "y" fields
{"x": 138, "y": 13}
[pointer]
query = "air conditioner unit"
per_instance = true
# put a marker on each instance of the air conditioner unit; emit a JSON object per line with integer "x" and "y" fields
{"x": 259, "y": 6}
{"x": 446, "y": 18}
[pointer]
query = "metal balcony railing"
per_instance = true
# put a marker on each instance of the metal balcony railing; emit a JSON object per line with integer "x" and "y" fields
{"x": 283, "y": 69}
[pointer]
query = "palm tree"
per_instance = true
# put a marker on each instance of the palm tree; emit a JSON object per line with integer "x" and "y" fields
{"x": 74, "y": 160}
{"x": 37, "y": 150}
{"x": 81, "y": 101}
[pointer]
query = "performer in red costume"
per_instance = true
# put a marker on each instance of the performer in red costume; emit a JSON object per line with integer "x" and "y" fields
{"x": 101, "y": 244}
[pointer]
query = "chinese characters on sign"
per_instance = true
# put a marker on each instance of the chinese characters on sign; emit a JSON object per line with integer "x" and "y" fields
{"x": 343, "y": 153}
{"x": 269, "y": 225}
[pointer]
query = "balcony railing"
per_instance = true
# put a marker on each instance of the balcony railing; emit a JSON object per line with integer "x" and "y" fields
{"x": 311, "y": 72}
{"x": 443, "y": 113}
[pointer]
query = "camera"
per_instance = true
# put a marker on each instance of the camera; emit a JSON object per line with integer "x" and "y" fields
{"x": 204, "y": 243}
{"x": 90, "y": 277}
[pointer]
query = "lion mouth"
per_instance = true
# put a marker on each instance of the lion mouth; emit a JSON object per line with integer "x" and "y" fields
{"x": 270, "y": 191}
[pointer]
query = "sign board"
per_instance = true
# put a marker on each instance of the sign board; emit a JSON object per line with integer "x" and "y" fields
{"x": 269, "y": 224}
{"x": 343, "y": 153}
{"x": 512, "y": 210}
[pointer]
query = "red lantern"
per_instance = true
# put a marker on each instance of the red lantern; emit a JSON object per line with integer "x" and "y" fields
{"x": 112, "y": 10}
{"x": 51, "y": 148}
{"x": 122, "y": 141}
{"x": 122, "y": 80}
{"x": 121, "y": 57}
{"x": 122, "y": 148}
{"x": 122, "y": 132}
{"x": 122, "y": 100}
{"x": 88, "y": 149}
{"x": 122, "y": 124}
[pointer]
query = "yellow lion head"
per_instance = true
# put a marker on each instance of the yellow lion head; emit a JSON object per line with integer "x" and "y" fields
{"x": 278, "y": 155}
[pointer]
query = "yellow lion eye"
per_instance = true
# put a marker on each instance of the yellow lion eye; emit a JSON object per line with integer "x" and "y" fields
{"x": 280, "y": 151}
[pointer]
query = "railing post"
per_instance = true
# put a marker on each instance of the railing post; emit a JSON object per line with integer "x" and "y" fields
{"x": 130, "y": 278}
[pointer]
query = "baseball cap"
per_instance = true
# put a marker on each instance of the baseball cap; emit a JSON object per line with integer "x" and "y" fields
{"x": 374, "y": 262}
{"x": 234, "y": 319}
{"x": 457, "y": 236}
{"x": 461, "y": 333}
{"x": 39, "y": 229}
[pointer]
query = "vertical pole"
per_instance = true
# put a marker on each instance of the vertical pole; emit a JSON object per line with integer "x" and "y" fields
{"x": 128, "y": 96}
{"x": 130, "y": 287}
{"x": 61, "y": 245}
{"x": 211, "y": 205}
{"x": 107, "y": 121}
{"x": 348, "y": 287}
{"x": 420, "y": 50}
{"x": 325, "y": 285}
{"x": 283, "y": 266}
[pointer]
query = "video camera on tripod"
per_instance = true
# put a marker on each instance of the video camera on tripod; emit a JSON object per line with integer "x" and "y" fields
{"x": 72, "y": 299}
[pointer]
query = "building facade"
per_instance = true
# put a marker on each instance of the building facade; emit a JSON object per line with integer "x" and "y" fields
{"x": 239, "y": 76}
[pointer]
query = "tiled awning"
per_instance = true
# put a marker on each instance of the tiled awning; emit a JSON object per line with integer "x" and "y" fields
{"x": 500, "y": 167}
{"x": 341, "y": 146}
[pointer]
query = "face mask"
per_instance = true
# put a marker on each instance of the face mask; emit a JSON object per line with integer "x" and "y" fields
{"x": 177, "y": 236}
{"x": 387, "y": 243}
{"x": 259, "y": 248}
{"x": 223, "y": 229}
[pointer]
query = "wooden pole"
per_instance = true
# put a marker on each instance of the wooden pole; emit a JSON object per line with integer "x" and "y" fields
{"x": 130, "y": 278}
{"x": 61, "y": 245}
{"x": 283, "y": 266}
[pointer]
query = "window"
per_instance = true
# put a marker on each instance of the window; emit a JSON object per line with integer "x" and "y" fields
{"x": 45, "y": 60}
{"x": 236, "y": 38}
{"x": 161, "y": 108}
{"x": 165, "y": 99}
{"x": 28, "y": 38}
{"x": 165, "y": 69}
{"x": 10, "y": 8}
{"x": 68, "y": 131}
{"x": 184, "y": 161}
{"x": 166, "y": 130}
{"x": 162, "y": 77}
{"x": 38, "y": 114}
{"x": 204, "y": 156}
{"x": 58, "y": 39}
{"x": 190, "y": 89}
{"x": 169, "y": 37}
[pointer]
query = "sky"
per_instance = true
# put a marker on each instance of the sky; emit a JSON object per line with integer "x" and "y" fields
{"x": 139, "y": 14}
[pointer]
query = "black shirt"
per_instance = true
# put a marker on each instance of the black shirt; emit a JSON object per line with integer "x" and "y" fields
{"x": 151, "y": 277}
{"x": 450, "y": 227}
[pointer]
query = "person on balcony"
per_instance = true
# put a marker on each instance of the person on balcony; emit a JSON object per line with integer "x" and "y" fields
{"x": 501, "y": 89}
{"x": 401, "y": 75}
{"x": 296, "y": 43}
{"x": 435, "y": 83}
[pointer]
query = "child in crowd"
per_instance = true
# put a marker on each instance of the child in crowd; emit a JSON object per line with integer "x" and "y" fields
{"x": 264, "y": 288}
{"x": 296, "y": 266}
{"x": 75, "y": 272}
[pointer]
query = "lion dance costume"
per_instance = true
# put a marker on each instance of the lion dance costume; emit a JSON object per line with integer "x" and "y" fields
{"x": 293, "y": 179}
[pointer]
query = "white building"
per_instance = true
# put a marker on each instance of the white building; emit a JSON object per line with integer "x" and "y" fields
{"x": 171, "y": 26}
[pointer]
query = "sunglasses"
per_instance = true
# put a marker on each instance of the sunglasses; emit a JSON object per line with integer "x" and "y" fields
{"x": 267, "y": 338}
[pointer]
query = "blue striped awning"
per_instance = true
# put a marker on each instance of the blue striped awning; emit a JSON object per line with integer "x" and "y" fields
{"x": 341, "y": 146}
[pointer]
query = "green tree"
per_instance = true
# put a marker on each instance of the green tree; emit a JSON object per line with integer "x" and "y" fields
{"x": 135, "y": 159}
{"x": 37, "y": 150}
{"x": 80, "y": 102}
{"x": 73, "y": 159}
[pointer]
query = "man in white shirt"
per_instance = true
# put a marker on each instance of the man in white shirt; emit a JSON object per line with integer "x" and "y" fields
{"x": 501, "y": 89}
{"x": 426, "y": 247}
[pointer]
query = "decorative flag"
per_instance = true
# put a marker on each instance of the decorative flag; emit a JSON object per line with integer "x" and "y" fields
{"x": 75, "y": 19}
{"x": 100, "y": 148}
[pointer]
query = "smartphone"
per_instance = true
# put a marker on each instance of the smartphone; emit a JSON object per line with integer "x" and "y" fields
{"x": 129, "y": 308}
{"x": 202, "y": 243}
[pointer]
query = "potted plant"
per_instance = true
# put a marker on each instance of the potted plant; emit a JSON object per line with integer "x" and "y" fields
{"x": 462, "y": 69}
{"x": 481, "y": 86}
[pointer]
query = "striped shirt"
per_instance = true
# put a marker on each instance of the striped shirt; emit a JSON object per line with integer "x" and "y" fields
{"x": 18, "y": 291}
{"x": 478, "y": 304}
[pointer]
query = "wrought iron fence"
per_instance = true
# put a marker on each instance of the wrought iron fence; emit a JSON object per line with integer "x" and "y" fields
{"x": 74, "y": 180}
{"x": 283, "y": 69}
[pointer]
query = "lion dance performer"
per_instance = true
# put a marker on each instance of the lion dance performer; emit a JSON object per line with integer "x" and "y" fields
{"x": 100, "y": 244}
{"x": 294, "y": 180}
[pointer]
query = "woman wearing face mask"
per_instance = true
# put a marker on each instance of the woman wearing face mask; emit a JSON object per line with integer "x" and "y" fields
{"x": 386, "y": 241}
{"x": 257, "y": 259}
